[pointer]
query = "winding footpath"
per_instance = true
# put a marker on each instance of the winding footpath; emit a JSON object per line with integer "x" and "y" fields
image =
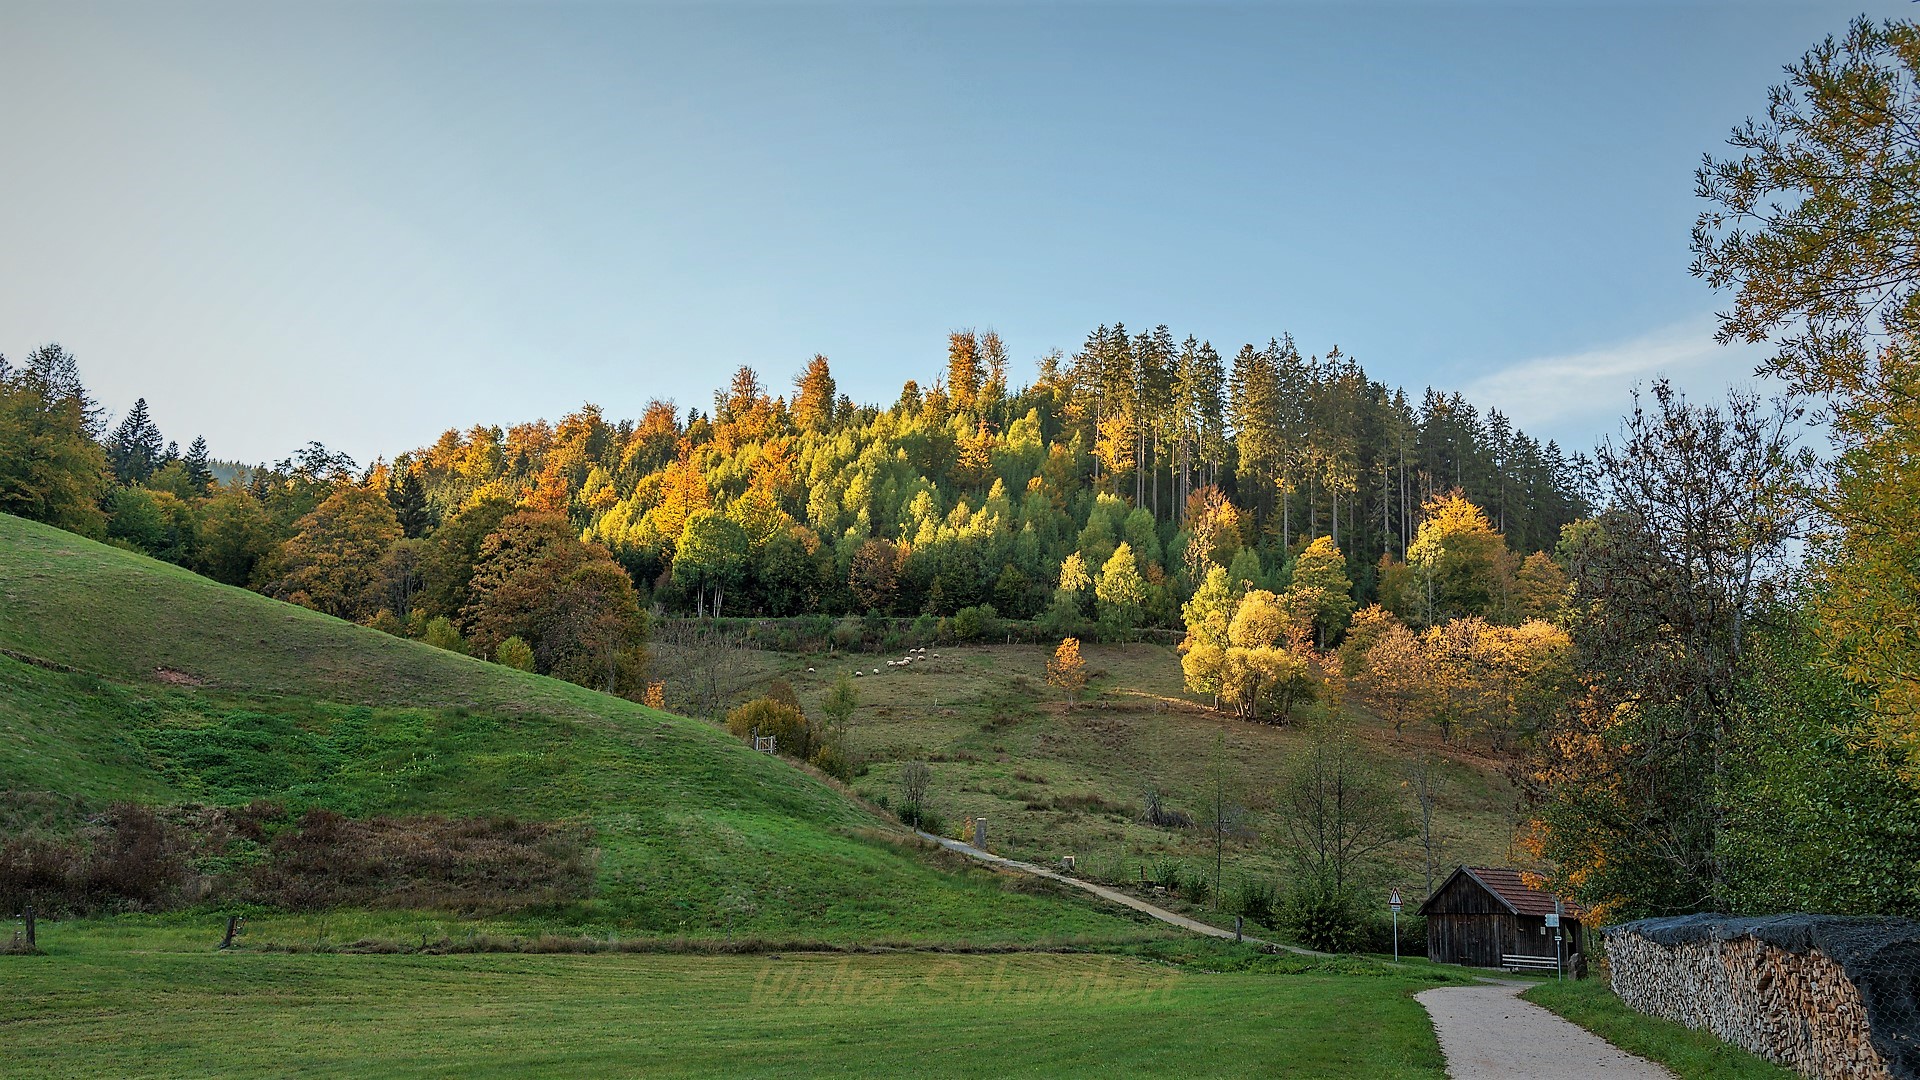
{"x": 1104, "y": 893}
{"x": 1485, "y": 1031}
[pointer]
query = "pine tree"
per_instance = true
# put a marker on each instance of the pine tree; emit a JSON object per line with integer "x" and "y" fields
{"x": 993, "y": 353}
{"x": 408, "y": 497}
{"x": 200, "y": 466}
{"x": 134, "y": 450}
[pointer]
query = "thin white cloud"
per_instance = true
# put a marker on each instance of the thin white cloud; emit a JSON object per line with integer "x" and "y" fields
{"x": 1578, "y": 397}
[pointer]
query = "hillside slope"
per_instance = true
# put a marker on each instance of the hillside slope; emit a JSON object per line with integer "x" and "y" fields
{"x": 126, "y": 678}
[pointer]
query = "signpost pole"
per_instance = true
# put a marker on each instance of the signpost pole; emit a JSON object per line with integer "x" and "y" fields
{"x": 1558, "y": 967}
{"x": 1393, "y": 901}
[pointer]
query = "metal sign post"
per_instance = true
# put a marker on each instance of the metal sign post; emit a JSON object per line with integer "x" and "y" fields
{"x": 1553, "y": 920}
{"x": 1393, "y": 902}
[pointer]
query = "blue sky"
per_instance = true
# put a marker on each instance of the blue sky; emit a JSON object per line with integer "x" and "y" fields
{"x": 366, "y": 223}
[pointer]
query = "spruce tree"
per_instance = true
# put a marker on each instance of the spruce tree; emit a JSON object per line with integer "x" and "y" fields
{"x": 199, "y": 466}
{"x": 134, "y": 450}
{"x": 408, "y": 497}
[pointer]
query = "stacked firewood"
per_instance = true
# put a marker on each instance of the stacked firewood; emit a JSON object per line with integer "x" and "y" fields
{"x": 1796, "y": 1008}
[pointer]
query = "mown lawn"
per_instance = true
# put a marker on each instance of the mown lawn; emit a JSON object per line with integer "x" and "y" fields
{"x": 153, "y": 1003}
{"x": 1692, "y": 1055}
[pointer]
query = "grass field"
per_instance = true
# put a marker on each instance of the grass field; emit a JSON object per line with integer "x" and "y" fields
{"x": 144, "y": 1002}
{"x": 125, "y": 678}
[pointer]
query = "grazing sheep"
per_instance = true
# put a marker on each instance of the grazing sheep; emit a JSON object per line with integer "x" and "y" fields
{"x": 857, "y": 673}
{"x": 876, "y": 671}
{"x": 809, "y": 671}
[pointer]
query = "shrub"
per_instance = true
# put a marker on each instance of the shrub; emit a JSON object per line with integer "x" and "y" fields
{"x": 1195, "y": 885}
{"x": 467, "y": 864}
{"x": 514, "y": 653}
{"x": 1254, "y": 900}
{"x": 814, "y": 630}
{"x": 131, "y": 861}
{"x": 976, "y": 623}
{"x": 834, "y": 761}
{"x": 1375, "y": 934}
{"x": 1166, "y": 873}
{"x": 441, "y": 635}
{"x": 1325, "y": 918}
{"x": 846, "y": 633}
{"x": 793, "y": 736}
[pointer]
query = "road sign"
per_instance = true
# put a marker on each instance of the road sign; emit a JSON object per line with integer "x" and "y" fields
{"x": 1393, "y": 901}
{"x": 1553, "y": 919}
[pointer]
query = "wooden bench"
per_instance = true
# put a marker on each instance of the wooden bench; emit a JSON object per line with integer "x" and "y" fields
{"x": 1516, "y": 964}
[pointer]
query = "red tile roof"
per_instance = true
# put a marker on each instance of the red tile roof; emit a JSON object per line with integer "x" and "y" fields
{"x": 1507, "y": 885}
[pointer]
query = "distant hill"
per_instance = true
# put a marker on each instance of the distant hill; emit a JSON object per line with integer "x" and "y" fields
{"x": 123, "y": 678}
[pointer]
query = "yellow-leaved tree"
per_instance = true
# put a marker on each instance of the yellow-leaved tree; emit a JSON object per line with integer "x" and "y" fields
{"x": 1067, "y": 671}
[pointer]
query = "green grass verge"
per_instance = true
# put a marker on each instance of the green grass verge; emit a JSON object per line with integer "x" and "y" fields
{"x": 123, "y": 1000}
{"x": 1692, "y": 1055}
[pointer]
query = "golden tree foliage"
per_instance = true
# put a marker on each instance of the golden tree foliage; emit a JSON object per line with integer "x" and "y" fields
{"x": 1871, "y": 570}
{"x": 1067, "y": 671}
{"x": 1458, "y": 559}
{"x": 332, "y": 563}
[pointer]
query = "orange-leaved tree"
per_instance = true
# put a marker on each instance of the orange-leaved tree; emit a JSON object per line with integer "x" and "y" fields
{"x": 1067, "y": 671}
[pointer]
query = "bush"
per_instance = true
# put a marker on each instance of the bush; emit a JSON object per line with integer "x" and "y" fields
{"x": 1322, "y": 917}
{"x": 835, "y": 762}
{"x": 814, "y": 630}
{"x": 441, "y": 635}
{"x": 468, "y": 864}
{"x": 1166, "y": 873}
{"x": 793, "y": 736}
{"x": 132, "y": 861}
{"x": 1375, "y": 934}
{"x": 1195, "y": 884}
{"x": 514, "y": 653}
{"x": 977, "y": 623}
{"x": 1254, "y": 900}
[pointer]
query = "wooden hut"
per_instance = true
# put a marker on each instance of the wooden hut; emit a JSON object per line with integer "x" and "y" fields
{"x": 1486, "y": 917}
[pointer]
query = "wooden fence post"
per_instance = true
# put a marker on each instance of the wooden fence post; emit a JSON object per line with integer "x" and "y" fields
{"x": 30, "y": 927}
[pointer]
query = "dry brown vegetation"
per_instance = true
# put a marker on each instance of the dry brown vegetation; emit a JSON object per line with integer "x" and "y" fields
{"x": 136, "y": 859}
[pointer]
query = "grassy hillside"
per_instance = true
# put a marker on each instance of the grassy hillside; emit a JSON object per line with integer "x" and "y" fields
{"x": 126, "y": 678}
{"x": 1053, "y": 781}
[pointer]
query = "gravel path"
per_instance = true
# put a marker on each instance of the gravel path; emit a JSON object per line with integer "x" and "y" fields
{"x": 1105, "y": 893}
{"x": 1488, "y": 1033}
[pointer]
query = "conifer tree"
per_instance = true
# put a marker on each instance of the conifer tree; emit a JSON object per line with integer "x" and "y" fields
{"x": 200, "y": 467}
{"x": 814, "y": 396}
{"x": 965, "y": 372}
{"x": 135, "y": 448}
